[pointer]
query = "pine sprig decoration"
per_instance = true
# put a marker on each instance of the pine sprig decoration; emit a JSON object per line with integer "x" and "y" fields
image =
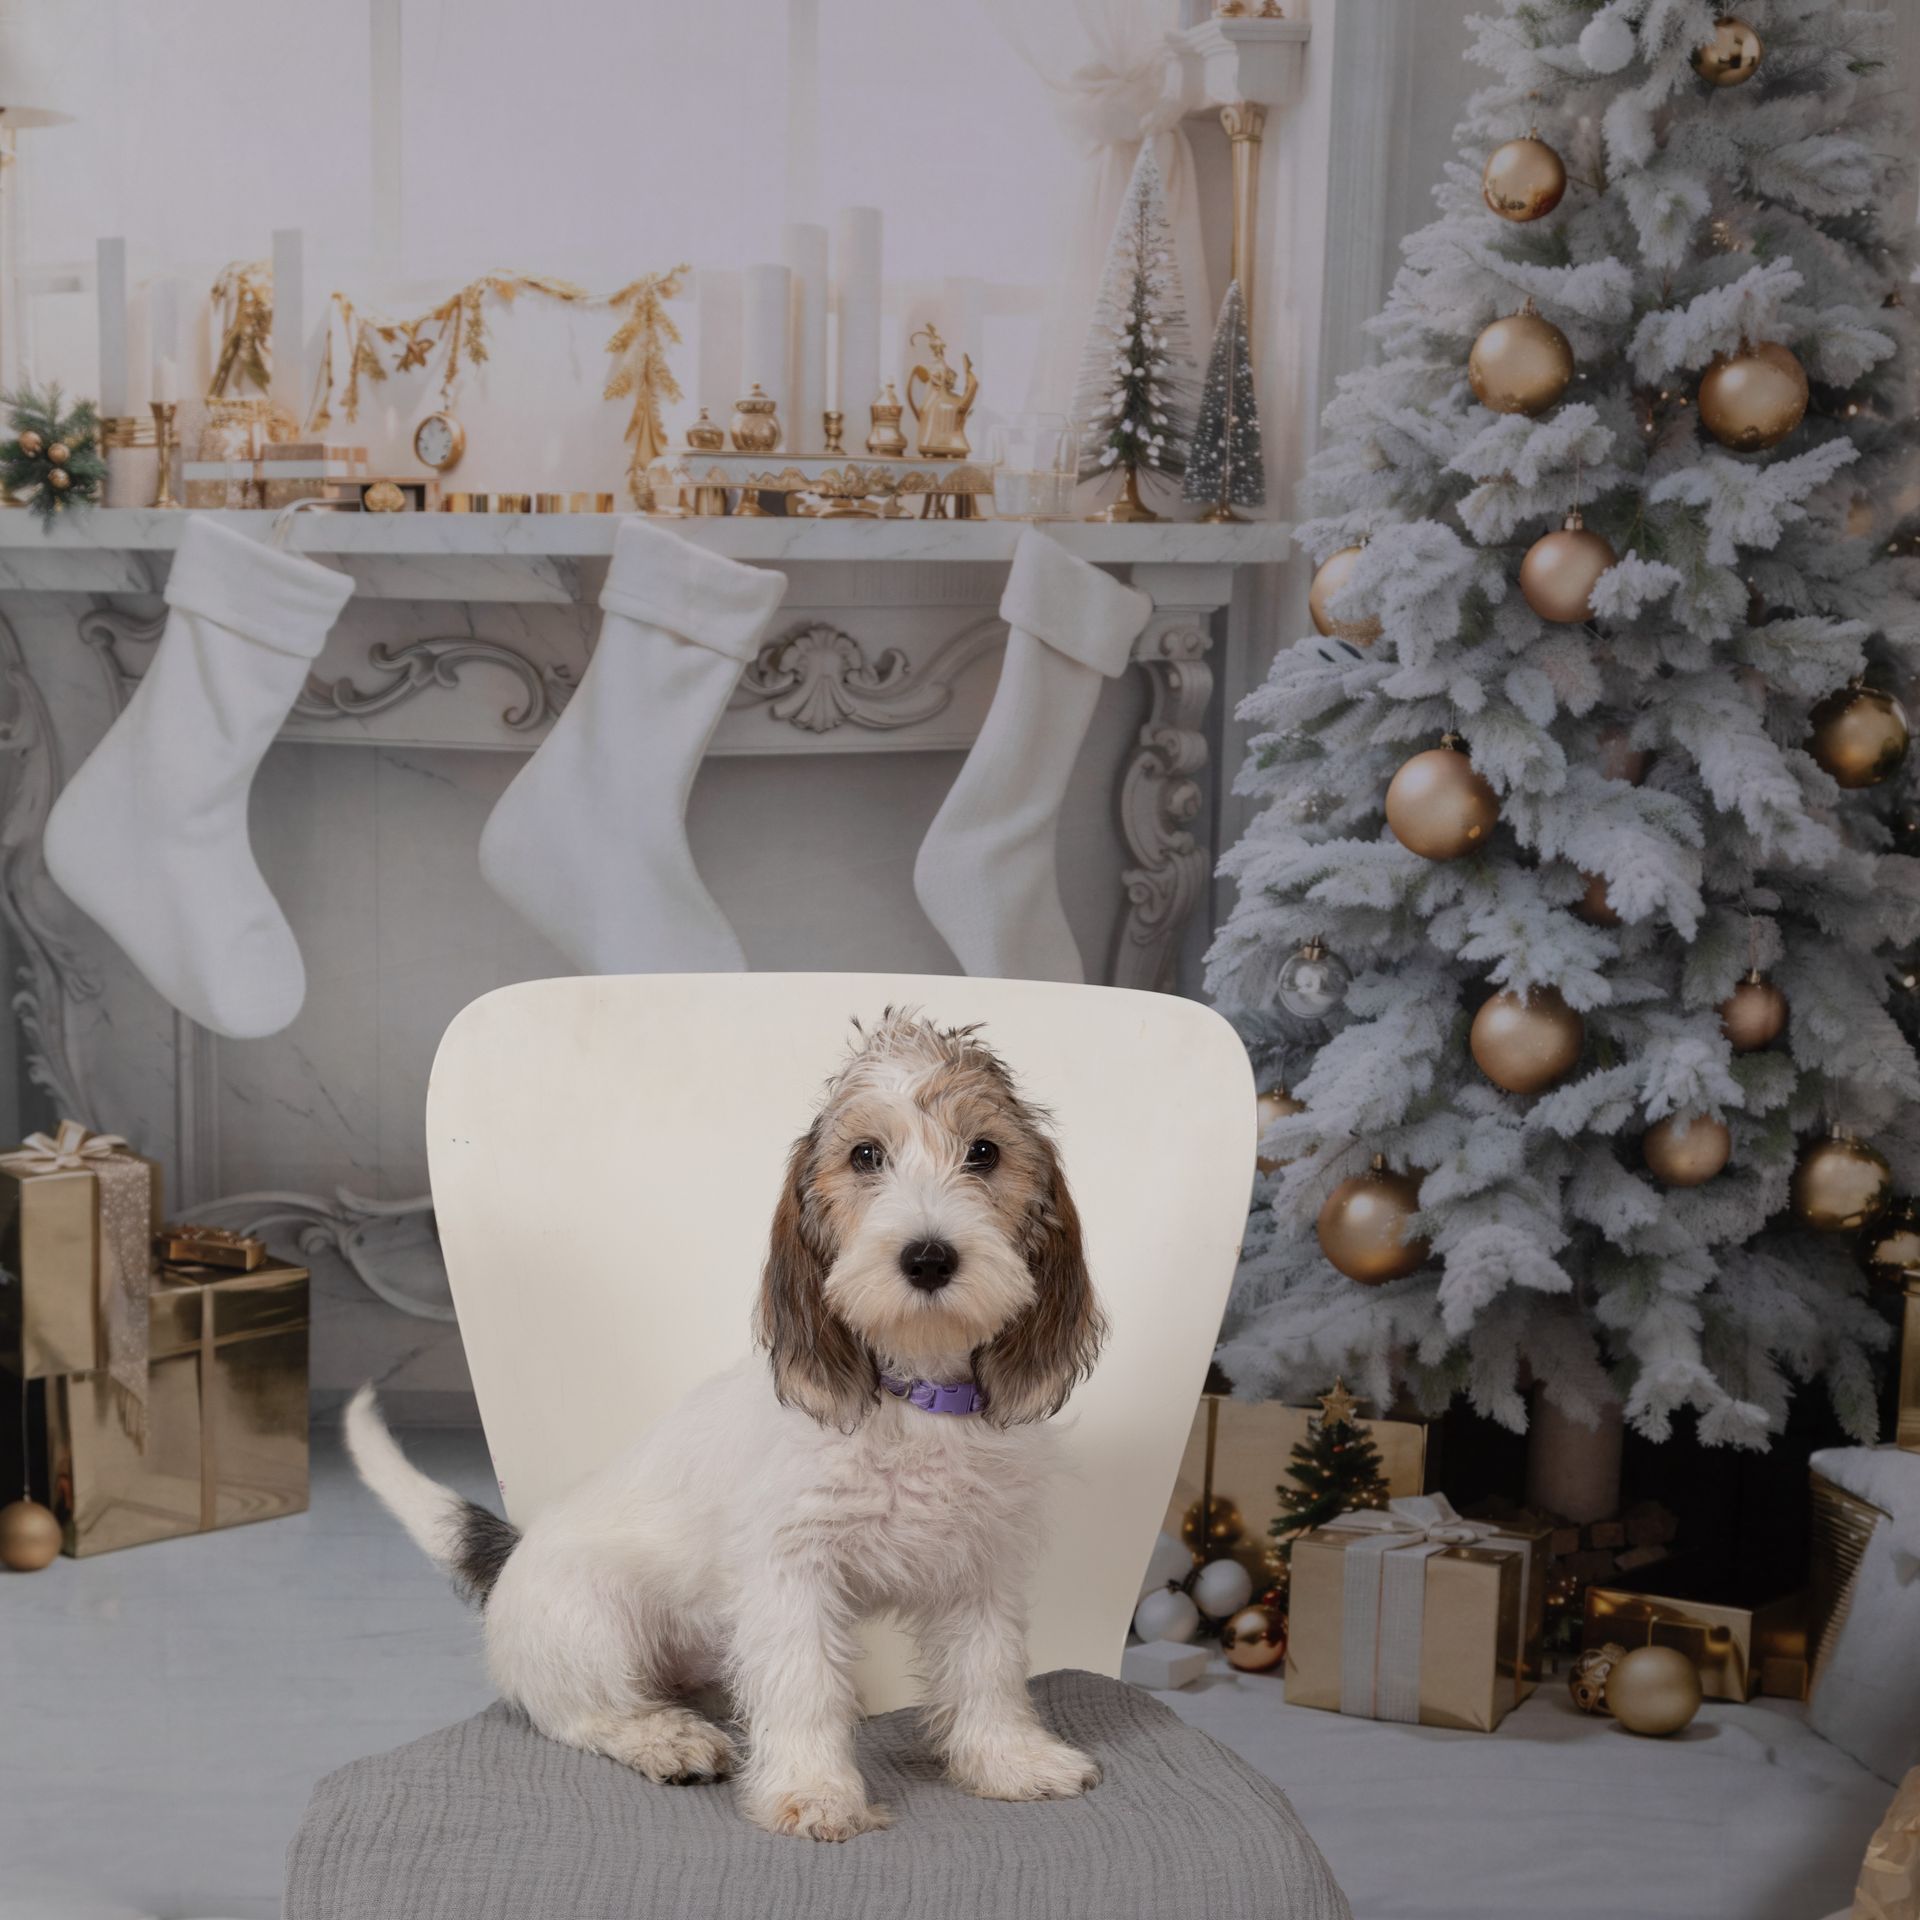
{"x": 53, "y": 460}
{"x": 1225, "y": 468}
{"x": 1334, "y": 1469}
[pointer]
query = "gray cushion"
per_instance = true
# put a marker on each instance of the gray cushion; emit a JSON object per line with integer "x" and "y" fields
{"x": 489, "y": 1821}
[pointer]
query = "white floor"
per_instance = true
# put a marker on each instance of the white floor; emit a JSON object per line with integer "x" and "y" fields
{"x": 164, "y": 1712}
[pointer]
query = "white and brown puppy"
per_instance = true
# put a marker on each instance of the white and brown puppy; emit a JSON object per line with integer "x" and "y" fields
{"x": 925, "y": 1305}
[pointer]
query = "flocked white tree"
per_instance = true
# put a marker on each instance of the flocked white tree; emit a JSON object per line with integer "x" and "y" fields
{"x": 1662, "y": 826}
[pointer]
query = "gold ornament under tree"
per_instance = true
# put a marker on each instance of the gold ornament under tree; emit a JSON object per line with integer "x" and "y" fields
{"x": 1732, "y": 57}
{"x": 1439, "y": 806}
{"x": 1860, "y": 736}
{"x": 1522, "y": 364}
{"x": 1523, "y": 179}
{"x": 1523, "y": 1043}
{"x": 1890, "y": 1246}
{"x": 1328, "y": 581}
{"x": 1561, "y": 570}
{"x": 1653, "y": 1690}
{"x": 1255, "y": 1639}
{"x": 1751, "y": 400}
{"x": 1275, "y": 1104}
{"x": 1687, "y": 1150}
{"x": 1363, "y": 1226}
{"x": 29, "y": 1536}
{"x": 1754, "y": 1014}
{"x": 1840, "y": 1184}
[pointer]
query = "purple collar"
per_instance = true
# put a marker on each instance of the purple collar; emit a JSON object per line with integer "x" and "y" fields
{"x": 931, "y": 1397}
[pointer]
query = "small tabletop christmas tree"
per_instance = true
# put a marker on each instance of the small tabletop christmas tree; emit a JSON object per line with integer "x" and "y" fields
{"x": 1335, "y": 1469}
{"x": 1224, "y": 466}
{"x": 52, "y": 459}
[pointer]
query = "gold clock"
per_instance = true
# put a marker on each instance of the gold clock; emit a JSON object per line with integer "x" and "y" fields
{"x": 439, "y": 441}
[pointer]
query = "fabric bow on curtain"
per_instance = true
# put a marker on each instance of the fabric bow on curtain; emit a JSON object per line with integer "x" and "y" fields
{"x": 1105, "y": 63}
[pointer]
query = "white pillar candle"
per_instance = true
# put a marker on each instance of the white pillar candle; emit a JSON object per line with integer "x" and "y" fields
{"x": 166, "y": 380}
{"x": 766, "y": 308}
{"x": 110, "y": 277}
{"x": 716, "y": 384}
{"x": 289, "y": 324}
{"x": 806, "y": 250}
{"x": 856, "y": 291}
{"x": 163, "y": 323}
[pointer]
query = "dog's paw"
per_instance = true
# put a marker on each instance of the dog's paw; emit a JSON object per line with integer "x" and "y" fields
{"x": 811, "y": 1813}
{"x": 674, "y": 1746}
{"x": 1034, "y": 1769}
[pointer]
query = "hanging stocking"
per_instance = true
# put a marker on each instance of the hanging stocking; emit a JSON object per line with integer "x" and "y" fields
{"x": 150, "y": 836}
{"x": 590, "y": 841}
{"x": 986, "y": 872}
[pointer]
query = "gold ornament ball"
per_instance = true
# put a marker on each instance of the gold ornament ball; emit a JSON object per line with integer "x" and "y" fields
{"x": 1753, "y": 399}
{"x": 1224, "y": 1527}
{"x": 59, "y": 479}
{"x": 31, "y": 444}
{"x": 1687, "y": 1150}
{"x": 1594, "y": 906}
{"x": 1439, "y": 807}
{"x": 59, "y": 453}
{"x": 1561, "y": 570}
{"x": 1274, "y": 1105}
{"x": 1840, "y": 1184}
{"x": 1255, "y": 1639}
{"x": 1620, "y": 759}
{"x": 1523, "y": 1044}
{"x": 1732, "y": 57}
{"x": 1653, "y": 1690}
{"x": 1522, "y": 364}
{"x": 29, "y": 1536}
{"x": 1890, "y": 1248}
{"x": 1363, "y": 1226}
{"x": 1860, "y": 736}
{"x": 1523, "y": 180}
{"x": 1754, "y": 1014}
{"x": 1587, "y": 1681}
{"x": 1335, "y": 571}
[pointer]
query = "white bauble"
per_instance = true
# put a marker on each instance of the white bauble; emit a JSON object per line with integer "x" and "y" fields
{"x": 1168, "y": 1563}
{"x": 1606, "y": 44}
{"x": 1166, "y": 1615}
{"x": 1222, "y": 1587}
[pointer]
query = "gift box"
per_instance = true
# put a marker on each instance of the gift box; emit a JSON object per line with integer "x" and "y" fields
{"x": 1889, "y": 1884}
{"x": 273, "y": 473}
{"x": 77, "y": 1211}
{"x": 1414, "y": 1614}
{"x": 1740, "y": 1649}
{"x": 226, "y": 1439}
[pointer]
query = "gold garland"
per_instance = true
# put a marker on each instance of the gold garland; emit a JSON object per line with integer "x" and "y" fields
{"x": 245, "y": 289}
{"x": 459, "y": 324}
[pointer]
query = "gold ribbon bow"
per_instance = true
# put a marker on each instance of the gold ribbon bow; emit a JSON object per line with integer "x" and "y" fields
{"x": 70, "y": 1148}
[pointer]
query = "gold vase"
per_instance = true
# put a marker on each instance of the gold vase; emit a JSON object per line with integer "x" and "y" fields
{"x": 756, "y": 427}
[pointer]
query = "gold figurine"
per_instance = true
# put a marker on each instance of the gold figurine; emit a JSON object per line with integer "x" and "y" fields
{"x": 941, "y": 412}
{"x": 885, "y": 441}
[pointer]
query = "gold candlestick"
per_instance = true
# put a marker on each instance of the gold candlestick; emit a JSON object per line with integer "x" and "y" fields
{"x": 834, "y": 422}
{"x": 164, "y": 413}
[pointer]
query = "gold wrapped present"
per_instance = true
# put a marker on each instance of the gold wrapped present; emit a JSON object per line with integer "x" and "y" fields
{"x": 1889, "y": 1885}
{"x": 1842, "y": 1527}
{"x": 1415, "y": 1614}
{"x": 1740, "y": 1650}
{"x": 194, "y": 1246}
{"x": 227, "y": 1417}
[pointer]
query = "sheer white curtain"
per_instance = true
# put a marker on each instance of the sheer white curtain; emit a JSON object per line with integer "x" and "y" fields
{"x": 1105, "y": 64}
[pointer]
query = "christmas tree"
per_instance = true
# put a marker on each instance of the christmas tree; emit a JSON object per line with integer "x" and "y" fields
{"x": 1335, "y": 1469}
{"x": 1134, "y": 396}
{"x": 1621, "y": 509}
{"x": 1224, "y": 467}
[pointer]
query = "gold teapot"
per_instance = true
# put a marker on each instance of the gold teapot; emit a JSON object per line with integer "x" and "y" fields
{"x": 941, "y": 412}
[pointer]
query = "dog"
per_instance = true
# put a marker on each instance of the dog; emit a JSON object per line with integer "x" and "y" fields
{"x": 924, "y": 1308}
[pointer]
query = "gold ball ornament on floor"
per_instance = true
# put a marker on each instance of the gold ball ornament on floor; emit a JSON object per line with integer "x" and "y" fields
{"x": 1754, "y": 1014}
{"x": 1276, "y": 1104}
{"x": 1363, "y": 1226}
{"x": 1523, "y": 179}
{"x": 29, "y": 1536}
{"x": 1732, "y": 57}
{"x": 1438, "y": 806}
{"x": 1329, "y": 581}
{"x": 1751, "y": 400}
{"x": 1561, "y": 570}
{"x": 1587, "y": 1680}
{"x": 1653, "y": 1691}
{"x": 1890, "y": 1247}
{"x": 1595, "y": 906}
{"x": 1255, "y": 1639}
{"x": 1687, "y": 1150}
{"x": 1840, "y": 1184}
{"x": 1522, "y": 364}
{"x": 1524, "y": 1043}
{"x": 1860, "y": 736}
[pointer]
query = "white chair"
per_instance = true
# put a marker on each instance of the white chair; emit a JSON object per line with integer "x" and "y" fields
{"x": 605, "y": 1155}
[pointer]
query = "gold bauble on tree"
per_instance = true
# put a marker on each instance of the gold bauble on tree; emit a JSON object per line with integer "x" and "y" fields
{"x": 1619, "y": 759}
{"x": 1753, "y": 399}
{"x": 1523, "y": 1043}
{"x": 1524, "y": 179}
{"x": 1859, "y": 735}
{"x": 1522, "y": 364}
{"x": 1255, "y": 1639}
{"x": 1561, "y": 570}
{"x": 1595, "y": 905}
{"x": 1363, "y": 1226}
{"x": 1890, "y": 1247}
{"x": 1653, "y": 1690}
{"x": 29, "y": 1536}
{"x": 1334, "y": 573}
{"x": 31, "y": 444}
{"x": 1732, "y": 57}
{"x": 59, "y": 479}
{"x": 1438, "y": 806}
{"x": 59, "y": 454}
{"x": 1840, "y": 1184}
{"x": 1687, "y": 1150}
{"x": 1223, "y": 1528}
{"x": 1754, "y": 1014}
{"x": 1275, "y": 1104}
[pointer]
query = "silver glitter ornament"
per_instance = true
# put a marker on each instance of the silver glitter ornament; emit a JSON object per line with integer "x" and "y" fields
{"x": 1313, "y": 982}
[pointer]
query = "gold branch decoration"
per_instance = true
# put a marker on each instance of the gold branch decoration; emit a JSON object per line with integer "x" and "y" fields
{"x": 244, "y": 291}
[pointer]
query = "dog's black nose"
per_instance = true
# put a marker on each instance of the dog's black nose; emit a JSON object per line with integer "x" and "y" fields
{"x": 929, "y": 1264}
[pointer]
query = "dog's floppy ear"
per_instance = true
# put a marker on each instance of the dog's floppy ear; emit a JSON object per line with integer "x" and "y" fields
{"x": 1027, "y": 1370}
{"x": 819, "y": 1366}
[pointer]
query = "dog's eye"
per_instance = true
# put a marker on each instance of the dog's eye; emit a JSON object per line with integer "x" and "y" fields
{"x": 867, "y": 1157}
{"x": 983, "y": 1156}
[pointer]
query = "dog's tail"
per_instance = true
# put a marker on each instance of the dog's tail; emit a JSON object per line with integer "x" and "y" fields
{"x": 467, "y": 1541}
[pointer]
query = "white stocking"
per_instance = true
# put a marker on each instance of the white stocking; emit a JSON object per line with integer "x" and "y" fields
{"x": 150, "y": 836}
{"x": 986, "y": 873}
{"x": 590, "y": 841}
